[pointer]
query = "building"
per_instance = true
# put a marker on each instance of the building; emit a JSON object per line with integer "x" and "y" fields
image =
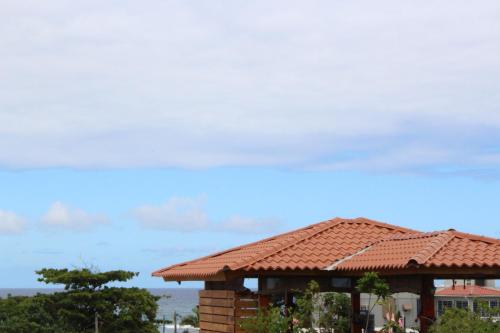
{"x": 335, "y": 253}
{"x": 463, "y": 294}
{"x": 466, "y": 296}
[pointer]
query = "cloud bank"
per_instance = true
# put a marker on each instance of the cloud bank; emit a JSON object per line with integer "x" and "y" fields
{"x": 187, "y": 214}
{"x": 63, "y": 217}
{"x": 326, "y": 85}
{"x": 183, "y": 214}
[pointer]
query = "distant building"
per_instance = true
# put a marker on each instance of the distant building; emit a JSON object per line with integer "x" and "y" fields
{"x": 454, "y": 293}
{"x": 407, "y": 304}
{"x": 466, "y": 296}
{"x": 475, "y": 282}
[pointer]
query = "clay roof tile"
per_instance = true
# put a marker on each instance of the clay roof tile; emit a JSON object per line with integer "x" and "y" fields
{"x": 348, "y": 245}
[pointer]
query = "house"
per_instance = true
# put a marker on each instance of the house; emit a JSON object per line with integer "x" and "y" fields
{"x": 466, "y": 296}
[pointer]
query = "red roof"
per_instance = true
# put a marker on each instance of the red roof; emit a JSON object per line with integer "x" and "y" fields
{"x": 313, "y": 247}
{"x": 436, "y": 249}
{"x": 468, "y": 291}
{"x": 344, "y": 244}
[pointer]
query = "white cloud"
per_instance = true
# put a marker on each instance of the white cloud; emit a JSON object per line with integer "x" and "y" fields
{"x": 189, "y": 214}
{"x": 177, "y": 213}
{"x": 62, "y": 216}
{"x": 298, "y": 84}
{"x": 11, "y": 223}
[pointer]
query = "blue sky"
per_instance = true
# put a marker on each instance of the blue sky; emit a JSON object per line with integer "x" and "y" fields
{"x": 268, "y": 200}
{"x": 134, "y": 136}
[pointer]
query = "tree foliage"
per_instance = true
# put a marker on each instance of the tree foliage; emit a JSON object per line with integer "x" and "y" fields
{"x": 313, "y": 312}
{"x": 308, "y": 306}
{"x": 28, "y": 314}
{"x": 269, "y": 320}
{"x": 336, "y": 313}
{"x": 192, "y": 319}
{"x": 372, "y": 284}
{"x": 86, "y": 296}
{"x": 459, "y": 320}
{"x": 82, "y": 279}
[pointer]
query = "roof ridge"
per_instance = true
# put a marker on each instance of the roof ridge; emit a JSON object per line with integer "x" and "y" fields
{"x": 384, "y": 225}
{"x": 471, "y": 289}
{"x": 435, "y": 246}
{"x": 328, "y": 224}
{"x": 338, "y": 221}
{"x": 159, "y": 271}
{"x": 349, "y": 257}
{"x": 403, "y": 237}
{"x": 413, "y": 235}
{"x": 480, "y": 238}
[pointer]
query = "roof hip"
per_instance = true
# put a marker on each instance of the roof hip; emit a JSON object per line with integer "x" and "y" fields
{"x": 432, "y": 248}
{"x": 328, "y": 225}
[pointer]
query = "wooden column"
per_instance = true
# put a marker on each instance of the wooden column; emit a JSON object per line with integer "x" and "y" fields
{"x": 356, "y": 308}
{"x": 263, "y": 301}
{"x": 217, "y": 311}
{"x": 427, "y": 312}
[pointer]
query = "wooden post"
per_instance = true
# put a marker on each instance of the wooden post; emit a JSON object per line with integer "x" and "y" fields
{"x": 356, "y": 308}
{"x": 428, "y": 312}
{"x": 263, "y": 301}
{"x": 175, "y": 322}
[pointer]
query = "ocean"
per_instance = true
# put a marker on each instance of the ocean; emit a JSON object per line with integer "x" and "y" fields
{"x": 178, "y": 300}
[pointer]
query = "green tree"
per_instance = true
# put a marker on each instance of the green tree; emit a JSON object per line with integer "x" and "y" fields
{"x": 86, "y": 297}
{"x": 313, "y": 312}
{"x": 322, "y": 311}
{"x": 336, "y": 313}
{"x": 192, "y": 319}
{"x": 462, "y": 321}
{"x": 372, "y": 284}
{"x": 28, "y": 314}
{"x": 308, "y": 306}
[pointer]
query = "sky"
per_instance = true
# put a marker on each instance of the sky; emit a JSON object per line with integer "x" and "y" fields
{"x": 134, "y": 135}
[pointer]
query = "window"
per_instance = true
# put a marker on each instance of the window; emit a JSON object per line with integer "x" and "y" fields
{"x": 443, "y": 305}
{"x": 478, "y": 307}
{"x": 341, "y": 282}
{"x": 462, "y": 304}
{"x": 494, "y": 304}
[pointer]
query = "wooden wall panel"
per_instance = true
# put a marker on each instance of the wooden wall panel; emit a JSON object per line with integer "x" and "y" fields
{"x": 245, "y": 306}
{"x": 223, "y": 303}
{"x": 221, "y": 311}
{"x": 217, "y": 311}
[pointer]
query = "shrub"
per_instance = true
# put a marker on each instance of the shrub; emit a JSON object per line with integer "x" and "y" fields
{"x": 314, "y": 311}
{"x": 463, "y": 321}
{"x": 268, "y": 320}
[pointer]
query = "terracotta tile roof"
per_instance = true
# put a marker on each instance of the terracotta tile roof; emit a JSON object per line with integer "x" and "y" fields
{"x": 345, "y": 245}
{"x": 436, "y": 249}
{"x": 466, "y": 250}
{"x": 468, "y": 291}
{"x": 320, "y": 249}
{"x": 312, "y": 247}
